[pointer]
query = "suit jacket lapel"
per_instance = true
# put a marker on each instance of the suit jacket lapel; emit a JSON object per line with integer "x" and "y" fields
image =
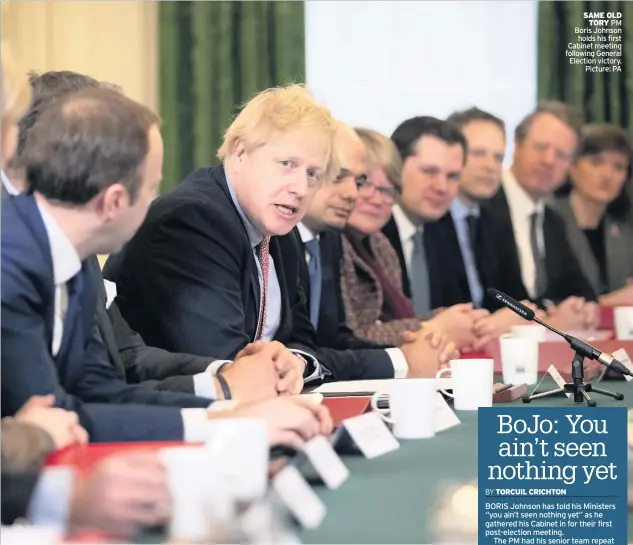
{"x": 617, "y": 243}
{"x": 275, "y": 255}
{"x": 27, "y": 210}
{"x": 220, "y": 178}
{"x": 390, "y": 230}
{"x": 578, "y": 240}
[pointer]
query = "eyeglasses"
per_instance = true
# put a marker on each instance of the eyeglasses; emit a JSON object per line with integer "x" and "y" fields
{"x": 366, "y": 189}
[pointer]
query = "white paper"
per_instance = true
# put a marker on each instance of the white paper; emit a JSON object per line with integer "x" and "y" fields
{"x": 383, "y": 386}
{"x": 560, "y": 381}
{"x": 371, "y": 435}
{"x": 326, "y": 461}
{"x": 298, "y": 497}
{"x": 624, "y": 359}
{"x": 110, "y": 288}
{"x": 444, "y": 416}
{"x": 18, "y": 534}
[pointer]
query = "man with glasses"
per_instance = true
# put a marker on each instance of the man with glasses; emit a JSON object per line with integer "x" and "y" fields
{"x": 320, "y": 246}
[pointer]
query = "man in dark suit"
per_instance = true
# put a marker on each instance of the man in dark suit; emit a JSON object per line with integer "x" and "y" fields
{"x": 215, "y": 275}
{"x": 50, "y": 341}
{"x": 538, "y": 252}
{"x": 133, "y": 359}
{"x": 433, "y": 153}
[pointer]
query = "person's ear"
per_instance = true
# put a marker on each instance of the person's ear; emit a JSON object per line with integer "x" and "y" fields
{"x": 239, "y": 150}
{"x": 112, "y": 201}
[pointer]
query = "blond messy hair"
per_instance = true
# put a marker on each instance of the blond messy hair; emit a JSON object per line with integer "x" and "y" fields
{"x": 381, "y": 153}
{"x": 282, "y": 109}
{"x": 16, "y": 91}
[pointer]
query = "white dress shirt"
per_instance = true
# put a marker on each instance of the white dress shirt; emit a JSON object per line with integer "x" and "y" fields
{"x": 521, "y": 208}
{"x": 399, "y": 362}
{"x": 273, "y": 294}
{"x": 66, "y": 265}
{"x": 11, "y": 189}
{"x": 406, "y": 230}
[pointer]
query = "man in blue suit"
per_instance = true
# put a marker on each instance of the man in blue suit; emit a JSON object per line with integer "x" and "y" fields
{"x": 92, "y": 166}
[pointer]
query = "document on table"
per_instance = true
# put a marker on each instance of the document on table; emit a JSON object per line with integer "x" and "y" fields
{"x": 369, "y": 387}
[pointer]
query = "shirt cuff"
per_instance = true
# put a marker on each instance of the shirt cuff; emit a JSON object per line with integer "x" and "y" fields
{"x": 204, "y": 385}
{"x": 194, "y": 425}
{"x": 50, "y": 502}
{"x": 319, "y": 371}
{"x": 214, "y": 366}
{"x": 399, "y": 362}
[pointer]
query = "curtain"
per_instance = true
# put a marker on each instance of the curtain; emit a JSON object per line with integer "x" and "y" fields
{"x": 214, "y": 56}
{"x": 603, "y": 96}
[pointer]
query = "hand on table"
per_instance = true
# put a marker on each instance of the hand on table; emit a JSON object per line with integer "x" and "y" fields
{"x": 291, "y": 420}
{"x": 288, "y": 368}
{"x": 426, "y": 350}
{"x": 591, "y": 315}
{"x": 496, "y": 324}
{"x": 253, "y": 375}
{"x": 457, "y": 322}
{"x": 124, "y": 494}
{"x": 569, "y": 315}
{"x": 61, "y": 425}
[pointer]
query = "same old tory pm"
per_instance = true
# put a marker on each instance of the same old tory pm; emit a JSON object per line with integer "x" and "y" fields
{"x": 602, "y": 18}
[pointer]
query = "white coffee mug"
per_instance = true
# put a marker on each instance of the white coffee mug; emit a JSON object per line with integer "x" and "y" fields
{"x": 472, "y": 383}
{"x": 411, "y": 407}
{"x": 519, "y": 359}
{"x": 623, "y": 321}
{"x": 241, "y": 445}
{"x": 185, "y": 467}
{"x": 529, "y": 331}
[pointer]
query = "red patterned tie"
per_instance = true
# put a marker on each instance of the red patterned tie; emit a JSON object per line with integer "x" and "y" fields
{"x": 263, "y": 256}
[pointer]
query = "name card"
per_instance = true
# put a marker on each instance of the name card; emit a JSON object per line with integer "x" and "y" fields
{"x": 326, "y": 461}
{"x": 624, "y": 359}
{"x": 560, "y": 381}
{"x": 371, "y": 435}
{"x": 444, "y": 416}
{"x": 298, "y": 497}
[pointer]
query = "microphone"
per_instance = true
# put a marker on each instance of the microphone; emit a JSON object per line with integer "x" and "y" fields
{"x": 579, "y": 346}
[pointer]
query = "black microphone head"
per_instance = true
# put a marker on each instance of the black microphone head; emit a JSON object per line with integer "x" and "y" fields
{"x": 512, "y": 304}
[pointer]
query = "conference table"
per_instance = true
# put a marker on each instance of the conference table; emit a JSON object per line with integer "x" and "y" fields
{"x": 393, "y": 498}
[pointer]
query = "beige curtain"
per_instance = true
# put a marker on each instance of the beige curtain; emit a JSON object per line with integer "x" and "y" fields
{"x": 110, "y": 41}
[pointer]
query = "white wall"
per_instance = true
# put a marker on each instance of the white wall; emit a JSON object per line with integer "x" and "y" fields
{"x": 376, "y": 63}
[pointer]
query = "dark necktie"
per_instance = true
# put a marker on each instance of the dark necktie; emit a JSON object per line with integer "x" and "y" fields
{"x": 540, "y": 276}
{"x": 316, "y": 279}
{"x": 475, "y": 235}
{"x": 420, "y": 276}
{"x": 473, "y": 226}
{"x": 70, "y": 306}
{"x": 263, "y": 257}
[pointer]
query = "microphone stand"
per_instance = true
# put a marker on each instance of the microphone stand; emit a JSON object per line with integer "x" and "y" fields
{"x": 578, "y": 386}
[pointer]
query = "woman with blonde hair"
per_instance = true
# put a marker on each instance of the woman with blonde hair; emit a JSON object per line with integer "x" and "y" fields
{"x": 15, "y": 99}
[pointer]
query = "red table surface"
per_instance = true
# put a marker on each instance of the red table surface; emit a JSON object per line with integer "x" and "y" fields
{"x": 606, "y": 318}
{"x": 84, "y": 457}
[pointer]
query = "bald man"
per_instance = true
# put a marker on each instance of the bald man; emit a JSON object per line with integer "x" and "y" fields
{"x": 320, "y": 246}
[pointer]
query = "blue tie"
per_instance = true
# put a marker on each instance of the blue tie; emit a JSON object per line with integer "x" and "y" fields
{"x": 316, "y": 277}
